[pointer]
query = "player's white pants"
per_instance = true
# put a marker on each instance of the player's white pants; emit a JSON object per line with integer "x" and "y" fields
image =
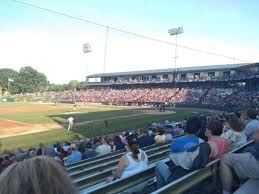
{"x": 70, "y": 126}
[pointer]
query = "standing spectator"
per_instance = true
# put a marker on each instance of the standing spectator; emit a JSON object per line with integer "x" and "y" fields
{"x": 41, "y": 175}
{"x": 235, "y": 134}
{"x": 244, "y": 165}
{"x": 105, "y": 148}
{"x": 251, "y": 123}
{"x": 145, "y": 139}
{"x": 219, "y": 146}
{"x": 117, "y": 144}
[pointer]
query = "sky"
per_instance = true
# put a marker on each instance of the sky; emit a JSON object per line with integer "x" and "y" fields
{"x": 52, "y": 43}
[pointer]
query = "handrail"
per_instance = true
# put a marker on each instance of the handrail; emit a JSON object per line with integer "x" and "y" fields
{"x": 113, "y": 154}
{"x": 100, "y": 177}
{"x": 195, "y": 177}
{"x": 87, "y": 165}
{"x": 121, "y": 152}
{"x": 98, "y": 167}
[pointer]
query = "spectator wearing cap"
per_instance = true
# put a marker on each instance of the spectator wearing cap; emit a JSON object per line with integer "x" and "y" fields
{"x": 133, "y": 162}
{"x": 251, "y": 123}
{"x": 181, "y": 159}
{"x": 244, "y": 165}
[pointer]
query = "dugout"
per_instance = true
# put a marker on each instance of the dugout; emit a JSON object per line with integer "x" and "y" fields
{"x": 7, "y": 99}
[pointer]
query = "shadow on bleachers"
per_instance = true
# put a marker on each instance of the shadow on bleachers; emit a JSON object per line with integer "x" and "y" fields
{"x": 181, "y": 185}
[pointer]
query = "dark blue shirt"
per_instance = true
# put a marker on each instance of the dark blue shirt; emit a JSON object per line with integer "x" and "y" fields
{"x": 88, "y": 154}
{"x": 119, "y": 146}
{"x": 146, "y": 140}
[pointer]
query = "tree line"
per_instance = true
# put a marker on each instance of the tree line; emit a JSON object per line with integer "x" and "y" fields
{"x": 29, "y": 80}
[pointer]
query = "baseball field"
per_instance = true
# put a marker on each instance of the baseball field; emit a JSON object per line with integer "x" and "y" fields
{"x": 26, "y": 124}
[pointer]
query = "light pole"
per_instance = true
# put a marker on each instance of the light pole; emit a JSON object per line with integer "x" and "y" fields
{"x": 175, "y": 32}
{"x": 87, "y": 49}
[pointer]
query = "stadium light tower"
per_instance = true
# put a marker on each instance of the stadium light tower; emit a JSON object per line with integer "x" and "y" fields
{"x": 175, "y": 32}
{"x": 87, "y": 49}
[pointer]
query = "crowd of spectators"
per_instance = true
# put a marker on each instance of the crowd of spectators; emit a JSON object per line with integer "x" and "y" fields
{"x": 72, "y": 152}
{"x": 151, "y": 96}
{"x": 201, "y": 144}
{"x": 223, "y": 134}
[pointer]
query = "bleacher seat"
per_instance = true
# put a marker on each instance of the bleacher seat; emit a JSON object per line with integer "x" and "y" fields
{"x": 249, "y": 187}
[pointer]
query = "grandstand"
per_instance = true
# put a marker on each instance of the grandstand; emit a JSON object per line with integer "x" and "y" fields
{"x": 225, "y": 74}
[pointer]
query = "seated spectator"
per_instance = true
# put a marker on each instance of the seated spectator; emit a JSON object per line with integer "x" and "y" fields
{"x": 96, "y": 143}
{"x": 41, "y": 150}
{"x": 74, "y": 157}
{"x": 251, "y": 123}
{"x": 145, "y": 139}
{"x": 66, "y": 147}
{"x": 5, "y": 163}
{"x": 181, "y": 159}
{"x": 244, "y": 165}
{"x": 219, "y": 146}
{"x": 89, "y": 144}
{"x": 160, "y": 137}
{"x": 105, "y": 148}
{"x": 20, "y": 155}
{"x": 41, "y": 175}
{"x": 133, "y": 162}
{"x": 117, "y": 144}
{"x": 168, "y": 137}
{"x": 235, "y": 134}
{"x": 85, "y": 152}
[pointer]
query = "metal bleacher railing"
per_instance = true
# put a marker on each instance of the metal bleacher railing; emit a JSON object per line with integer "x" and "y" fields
{"x": 93, "y": 177}
{"x": 82, "y": 165}
{"x": 179, "y": 186}
{"x": 100, "y": 166}
{"x": 90, "y": 172}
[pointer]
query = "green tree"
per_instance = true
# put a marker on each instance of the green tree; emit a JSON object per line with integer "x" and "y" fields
{"x": 30, "y": 80}
{"x": 5, "y": 74}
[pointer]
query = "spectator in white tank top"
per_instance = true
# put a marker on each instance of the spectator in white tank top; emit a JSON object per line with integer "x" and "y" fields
{"x": 133, "y": 162}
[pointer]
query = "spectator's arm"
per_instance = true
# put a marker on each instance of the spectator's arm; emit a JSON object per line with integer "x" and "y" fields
{"x": 123, "y": 163}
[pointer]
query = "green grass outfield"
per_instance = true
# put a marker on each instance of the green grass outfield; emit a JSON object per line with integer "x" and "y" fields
{"x": 87, "y": 113}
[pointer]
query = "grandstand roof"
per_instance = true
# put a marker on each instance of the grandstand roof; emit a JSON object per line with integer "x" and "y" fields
{"x": 181, "y": 69}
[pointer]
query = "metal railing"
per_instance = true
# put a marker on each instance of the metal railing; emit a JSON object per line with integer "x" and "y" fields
{"x": 176, "y": 187}
{"x": 82, "y": 165}
{"x": 100, "y": 177}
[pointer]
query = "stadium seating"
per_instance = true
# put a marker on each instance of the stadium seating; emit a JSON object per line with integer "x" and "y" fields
{"x": 105, "y": 158}
{"x": 93, "y": 175}
{"x": 249, "y": 187}
{"x": 178, "y": 186}
{"x": 99, "y": 166}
